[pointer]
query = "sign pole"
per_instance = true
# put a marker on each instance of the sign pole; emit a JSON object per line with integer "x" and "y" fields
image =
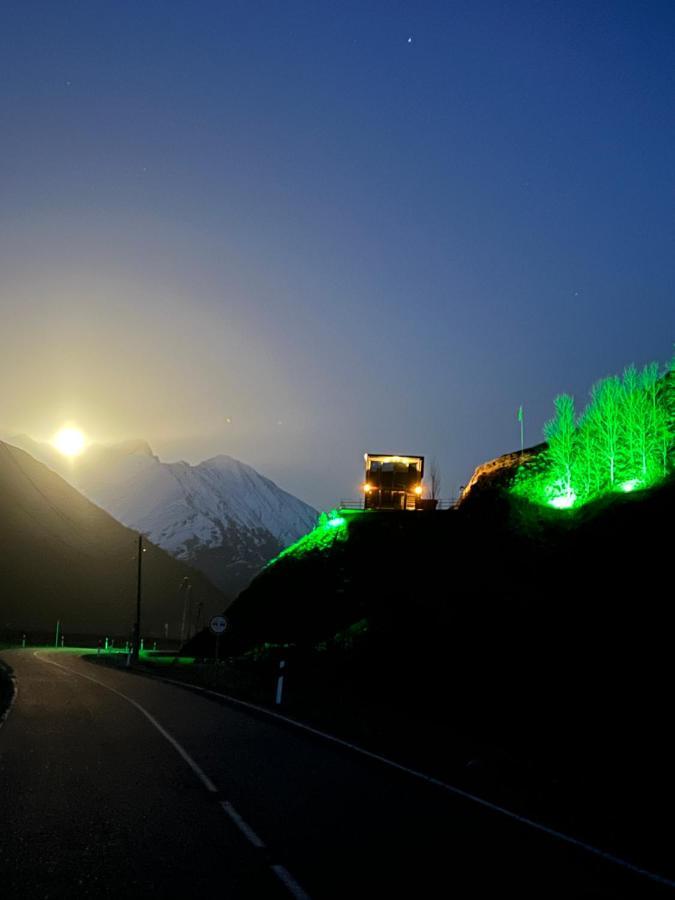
{"x": 217, "y": 626}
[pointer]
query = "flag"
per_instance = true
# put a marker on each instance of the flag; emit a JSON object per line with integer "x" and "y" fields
{"x": 520, "y": 413}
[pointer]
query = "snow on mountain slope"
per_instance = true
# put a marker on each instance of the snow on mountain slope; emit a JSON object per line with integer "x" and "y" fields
{"x": 221, "y": 515}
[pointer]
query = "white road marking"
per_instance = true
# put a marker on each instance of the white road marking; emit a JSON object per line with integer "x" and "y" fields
{"x": 280, "y": 871}
{"x": 290, "y": 883}
{"x": 436, "y": 782}
{"x": 242, "y": 825}
{"x": 199, "y": 772}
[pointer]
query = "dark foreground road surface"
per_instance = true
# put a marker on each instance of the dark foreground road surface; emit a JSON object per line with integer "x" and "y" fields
{"x": 178, "y": 794}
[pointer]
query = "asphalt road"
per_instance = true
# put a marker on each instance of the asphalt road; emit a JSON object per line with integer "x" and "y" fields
{"x": 176, "y": 792}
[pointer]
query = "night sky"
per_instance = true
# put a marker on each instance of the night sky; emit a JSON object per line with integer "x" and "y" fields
{"x": 340, "y": 226}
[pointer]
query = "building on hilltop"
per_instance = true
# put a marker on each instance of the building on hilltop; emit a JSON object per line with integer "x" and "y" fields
{"x": 392, "y": 481}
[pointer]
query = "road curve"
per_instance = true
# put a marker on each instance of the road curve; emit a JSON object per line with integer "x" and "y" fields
{"x": 115, "y": 784}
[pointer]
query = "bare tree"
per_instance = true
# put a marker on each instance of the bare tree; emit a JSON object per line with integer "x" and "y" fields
{"x": 605, "y": 414}
{"x": 435, "y": 479}
{"x": 561, "y": 437}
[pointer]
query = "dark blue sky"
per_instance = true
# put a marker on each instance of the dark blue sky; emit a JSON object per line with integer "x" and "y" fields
{"x": 346, "y": 227}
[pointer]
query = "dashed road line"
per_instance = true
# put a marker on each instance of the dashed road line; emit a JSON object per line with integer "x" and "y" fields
{"x": 289, "y": 882}
{"x": 281, "y": 872}
{"x": 242, "y": 825}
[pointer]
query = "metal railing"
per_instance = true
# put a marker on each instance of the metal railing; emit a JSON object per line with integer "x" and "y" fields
{"x": 358, "y": 504}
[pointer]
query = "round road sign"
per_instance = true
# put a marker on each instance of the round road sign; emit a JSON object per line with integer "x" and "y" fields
{"x": 218, "y": 624}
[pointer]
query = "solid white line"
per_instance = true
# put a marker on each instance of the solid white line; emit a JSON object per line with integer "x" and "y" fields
{"x": 436, "y": 782}
{"x": 242, "y": 825}
{"x": 290, "y": 883}
{"x": 199, "y": 772}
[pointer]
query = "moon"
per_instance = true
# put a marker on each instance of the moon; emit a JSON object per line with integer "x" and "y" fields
{"x": 69, "y": 441}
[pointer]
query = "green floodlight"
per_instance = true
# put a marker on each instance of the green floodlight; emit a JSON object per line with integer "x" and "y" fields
{"x": 564, "y": 501}
{"x": 330, "y": 528}
{"x": 623, "y": 441}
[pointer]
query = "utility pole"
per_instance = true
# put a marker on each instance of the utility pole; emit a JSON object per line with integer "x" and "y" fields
{"x": 184, "y": 588}
{"x": 188, "y": 602}
{"x": 137, "y": 625}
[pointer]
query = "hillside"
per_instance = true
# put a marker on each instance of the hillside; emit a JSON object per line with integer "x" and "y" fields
{"x": 495, "y": 557}
{"x": 63, "y": 557}
{"x": 220, "y": 516}
{"x": 542, "y": 625}
{"x": 540, "y": 638}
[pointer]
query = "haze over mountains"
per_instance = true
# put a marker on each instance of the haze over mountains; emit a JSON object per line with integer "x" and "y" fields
{"x": 65, "y": 558}
{"x": 221, "y": 516}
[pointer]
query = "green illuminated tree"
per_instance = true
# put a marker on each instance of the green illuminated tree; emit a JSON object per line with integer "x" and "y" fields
{"x": 663, "y": 395}
{"x": 605, "y": 420}
{"x": 624, "y": 439}
{"x": 633, "y": 422}
{"x": 652, "y": 422}
{"x": 585, "y": 458}
{"x": 560, "y": 432}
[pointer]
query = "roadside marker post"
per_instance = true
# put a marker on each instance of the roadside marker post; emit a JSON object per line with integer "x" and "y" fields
{"x": 23, "y": 641}
{"x": 280, "y": 683}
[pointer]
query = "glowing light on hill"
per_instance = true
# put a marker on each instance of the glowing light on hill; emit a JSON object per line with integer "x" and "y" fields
{"x": 69, "y": 441}
{"x": 623, "y": 441}
{"x": 331, "y": 528}
{"x": 565, "y": 501}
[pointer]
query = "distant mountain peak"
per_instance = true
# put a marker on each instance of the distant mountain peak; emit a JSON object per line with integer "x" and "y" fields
{"x": 134, "y": 447}
{"x": 224, "y": 461}
{"x": 221, "y": 515}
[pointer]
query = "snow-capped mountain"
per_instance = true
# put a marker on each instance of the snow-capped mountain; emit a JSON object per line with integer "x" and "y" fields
{"x": 221, "y": 515}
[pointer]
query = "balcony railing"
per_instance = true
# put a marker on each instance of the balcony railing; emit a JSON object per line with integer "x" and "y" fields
{"x": 358, "y": 504}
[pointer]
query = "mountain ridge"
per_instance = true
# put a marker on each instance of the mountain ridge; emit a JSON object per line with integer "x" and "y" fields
{"x": 220, "y": 515}
{"x": 63, "y": 557}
